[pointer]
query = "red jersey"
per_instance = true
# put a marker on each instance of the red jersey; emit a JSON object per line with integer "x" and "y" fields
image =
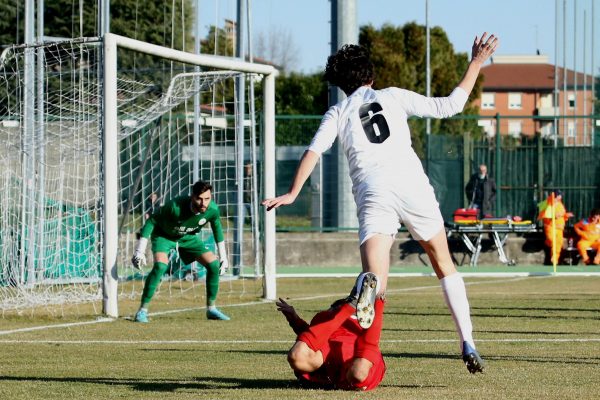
{"x": 337, "y": 358}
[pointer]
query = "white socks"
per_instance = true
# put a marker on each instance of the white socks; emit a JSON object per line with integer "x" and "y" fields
{"x": 455, "y": 295}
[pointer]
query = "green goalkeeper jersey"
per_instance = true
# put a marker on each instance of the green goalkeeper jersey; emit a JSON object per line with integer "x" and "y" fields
{"x": 175, "y": 219}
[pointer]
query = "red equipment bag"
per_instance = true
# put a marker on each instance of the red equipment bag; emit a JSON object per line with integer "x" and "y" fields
{"x": 466, "y": 214}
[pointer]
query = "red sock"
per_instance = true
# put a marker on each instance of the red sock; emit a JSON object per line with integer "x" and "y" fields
{"x": 324, "y": 324}
{"x": 367, "y": 344}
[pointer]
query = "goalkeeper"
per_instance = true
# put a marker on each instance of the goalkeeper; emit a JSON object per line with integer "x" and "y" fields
{"x": 176, "y": 226}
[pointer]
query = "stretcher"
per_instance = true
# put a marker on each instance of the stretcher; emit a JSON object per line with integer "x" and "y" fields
{"x": 471, "y": 233}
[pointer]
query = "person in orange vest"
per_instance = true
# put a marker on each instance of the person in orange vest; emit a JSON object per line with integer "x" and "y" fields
{"x": 588, "y": 230}
{"x": 553, "y": 208}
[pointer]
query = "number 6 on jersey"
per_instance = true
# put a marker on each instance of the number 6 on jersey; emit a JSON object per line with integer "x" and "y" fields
{"x": 370, "y": 119}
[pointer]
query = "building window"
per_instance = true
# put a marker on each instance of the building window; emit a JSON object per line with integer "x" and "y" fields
{"x": 488, "y": 101}
{"x": 514, "y": 101}
{"x": 571, "y": 100}
{"x": 571, "y": 129}
{"x": 514, "y": 128}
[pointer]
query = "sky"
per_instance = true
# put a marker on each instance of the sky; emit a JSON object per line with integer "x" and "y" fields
{"x": 523, "y": 26}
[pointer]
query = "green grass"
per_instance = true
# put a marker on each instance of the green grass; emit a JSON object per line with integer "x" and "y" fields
{"x": 533, "y": 332}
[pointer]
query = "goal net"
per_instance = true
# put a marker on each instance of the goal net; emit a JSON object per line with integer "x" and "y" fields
{"x": 97, "y": 136}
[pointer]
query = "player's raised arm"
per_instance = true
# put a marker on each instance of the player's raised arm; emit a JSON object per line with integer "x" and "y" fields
{"x": 296, "y": 322}
{"x": 307, "y": 164}
{"x": 482, "y": 49}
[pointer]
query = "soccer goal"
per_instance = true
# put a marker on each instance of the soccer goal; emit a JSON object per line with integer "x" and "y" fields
{"x": 97, "y": 134}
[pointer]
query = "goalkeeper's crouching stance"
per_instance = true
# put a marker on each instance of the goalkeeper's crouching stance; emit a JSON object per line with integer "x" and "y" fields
{"x": 340, "y": 347}
{"x": 176, "y": 226}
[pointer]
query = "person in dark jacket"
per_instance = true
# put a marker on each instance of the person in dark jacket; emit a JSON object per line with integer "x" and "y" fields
{"x": 481, "y": 192}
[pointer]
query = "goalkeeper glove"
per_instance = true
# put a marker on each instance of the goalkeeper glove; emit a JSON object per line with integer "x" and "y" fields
{"x": 224, "y": 264}
{"x": 139, "y": 254}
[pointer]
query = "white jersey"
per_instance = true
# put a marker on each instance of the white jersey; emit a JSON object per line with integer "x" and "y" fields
{"x": 388, "y": 181}
{"x": 373, "y": 130}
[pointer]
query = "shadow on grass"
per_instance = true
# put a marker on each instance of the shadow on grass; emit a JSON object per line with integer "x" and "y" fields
{"x": 488, "y": 358}
{"x": 437, "y": 356}
{"x": 546, "y": 360}
{"x": 198, "y": 383}
{"x": 282, "y": 353}
{"x": 417, "y": 330}
{"x": 500, "y": 315}
{"x": 540, "y": 308}
{"x": 213, "y": 351}
{"x": 168, "y": 385}
{"x": 503, "y": 332}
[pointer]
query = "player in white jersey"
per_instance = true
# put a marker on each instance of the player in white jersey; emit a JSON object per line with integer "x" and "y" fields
{"x": 388, "y": 181}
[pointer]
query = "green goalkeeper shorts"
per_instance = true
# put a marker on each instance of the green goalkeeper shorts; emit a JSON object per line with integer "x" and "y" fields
{"x": 190, "y": 247}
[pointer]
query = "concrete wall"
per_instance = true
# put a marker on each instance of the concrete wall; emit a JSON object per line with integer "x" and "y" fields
{"x": 341, "y": 249}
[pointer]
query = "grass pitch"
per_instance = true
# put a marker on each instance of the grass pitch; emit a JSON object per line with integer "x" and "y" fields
{"x": 539, "y": 336}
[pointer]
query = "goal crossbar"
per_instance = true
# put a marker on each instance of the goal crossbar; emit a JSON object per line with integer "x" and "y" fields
{"x": 110, "y": 154}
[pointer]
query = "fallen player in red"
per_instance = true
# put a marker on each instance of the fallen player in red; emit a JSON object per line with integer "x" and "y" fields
{"x": 340, "y": 347}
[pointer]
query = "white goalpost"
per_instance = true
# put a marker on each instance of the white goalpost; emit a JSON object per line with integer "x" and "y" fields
{"x": 110, "y": 127}
{"x": 105, "y": 124}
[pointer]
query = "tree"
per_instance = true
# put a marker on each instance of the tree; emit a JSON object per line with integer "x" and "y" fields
{"x": 298, "y": 94}
{"x": 217, "y": 42}
{"x": 278, "y": 47}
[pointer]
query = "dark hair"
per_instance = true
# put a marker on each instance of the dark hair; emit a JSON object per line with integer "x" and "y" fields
{"x": 200, "y": 187}
{"x": 557, "y": 192}
{"x": 594, "y": 212}
{"x": 349, "y": 68}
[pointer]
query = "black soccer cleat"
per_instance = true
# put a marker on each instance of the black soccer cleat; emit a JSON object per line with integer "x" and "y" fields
{"x": 472, "y": 359}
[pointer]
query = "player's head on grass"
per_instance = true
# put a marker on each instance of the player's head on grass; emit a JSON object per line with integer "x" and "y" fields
{"x": 349, "y": 68}
{"x": 201, "y": 196}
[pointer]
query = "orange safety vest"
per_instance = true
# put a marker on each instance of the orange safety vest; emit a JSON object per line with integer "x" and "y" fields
{"x": 587, "y": 230}
{"x": 554, "y": 208}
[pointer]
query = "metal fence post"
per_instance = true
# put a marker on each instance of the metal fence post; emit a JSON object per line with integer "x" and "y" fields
{"x": 540, "y": 168}
{"x": 498, "y": 166}
{"x": 467, "y": 157}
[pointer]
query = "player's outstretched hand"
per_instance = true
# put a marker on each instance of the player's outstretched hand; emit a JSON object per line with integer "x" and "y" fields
{"x": 484, "y": 47}
{"x": 138, "y": 260}
{"x": 285, "y": 308}
{"x": 282, "y": 200}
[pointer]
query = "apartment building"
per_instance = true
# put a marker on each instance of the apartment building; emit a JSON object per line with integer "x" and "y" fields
{"x": 520, "y": 87}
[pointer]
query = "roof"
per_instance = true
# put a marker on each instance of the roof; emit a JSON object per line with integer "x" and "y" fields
{"x": 526, "y": 76}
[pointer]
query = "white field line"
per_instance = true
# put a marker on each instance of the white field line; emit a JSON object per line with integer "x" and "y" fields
{"x": 104, "y": 320}
{"x": 158, "y": 313}
{"x": 288, "y": 341}
{"x": 464, "y": 273}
